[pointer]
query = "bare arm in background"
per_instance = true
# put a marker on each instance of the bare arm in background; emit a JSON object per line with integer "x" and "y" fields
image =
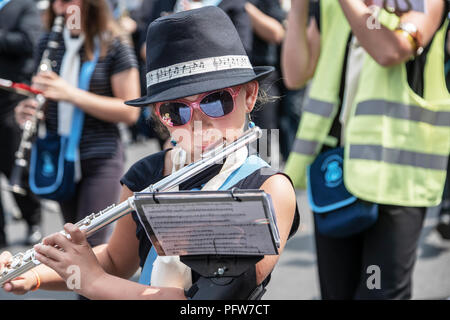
{"x": 301, "y": 47}
{"x": 266, "y": 27}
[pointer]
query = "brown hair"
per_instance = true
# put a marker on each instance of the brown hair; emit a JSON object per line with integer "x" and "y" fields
{"x": 96, "y": 20}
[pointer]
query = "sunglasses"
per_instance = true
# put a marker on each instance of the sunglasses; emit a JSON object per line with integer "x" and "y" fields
{"x": 215, "y": 104}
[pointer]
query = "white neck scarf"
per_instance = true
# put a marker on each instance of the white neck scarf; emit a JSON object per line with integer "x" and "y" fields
{"x": 70, "y": 70}
{"x": 169, "y": 271}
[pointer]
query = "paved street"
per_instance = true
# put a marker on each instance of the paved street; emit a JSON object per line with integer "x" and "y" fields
{"x": 295, "y": 277}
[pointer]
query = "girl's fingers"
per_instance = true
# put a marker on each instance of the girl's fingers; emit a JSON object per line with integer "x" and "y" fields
{"x": 45, "y": 260}
{"x": 50, "y": 94}
{"x": 51, "y": 75}
{"x": 41, "y": 81}
{"x": 58, "y": 239}
{"x": 49, "y": 252}
{"x": 5, "y": 257}
{"x": 28, "y": 110}
{"x": 76, "y": 234}
{"x": 30, "y": 103}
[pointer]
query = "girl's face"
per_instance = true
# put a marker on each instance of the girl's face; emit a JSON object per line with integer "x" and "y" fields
{"x": 203, "y": 132}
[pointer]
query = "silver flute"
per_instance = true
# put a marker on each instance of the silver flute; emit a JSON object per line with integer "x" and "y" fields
{"x": 47, "y": 63}
{"x": 22, "y": 262}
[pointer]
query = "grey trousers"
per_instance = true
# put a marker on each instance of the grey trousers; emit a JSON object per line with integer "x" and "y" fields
{"x": 98, "y": 189}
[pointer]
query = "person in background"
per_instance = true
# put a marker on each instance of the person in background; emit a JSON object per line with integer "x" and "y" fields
{"x": 19, "y": 30}
{"x": 443, "y": 226}
{"x": 235, "y": 10}
{"x": 268, "y": 33}
{"x": 368, "y": 72}
{"x": 291, "y": 104}
{"x": 142, "y": 129}
{"x": 114, "y": 79}
{"x": 268, "y": 21}
{"x": 128, "y": 15}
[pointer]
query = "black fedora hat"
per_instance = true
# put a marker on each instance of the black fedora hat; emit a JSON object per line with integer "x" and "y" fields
{"x": 192, "y": 52}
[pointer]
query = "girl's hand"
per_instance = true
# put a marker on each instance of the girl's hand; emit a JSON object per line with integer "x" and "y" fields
{"x": 5, "y": 256}
{"x": 73, "y": 259}
{"x": 53, "y": 86}
{"x": 25, "y": 110}
{"x": 21, "y": 284}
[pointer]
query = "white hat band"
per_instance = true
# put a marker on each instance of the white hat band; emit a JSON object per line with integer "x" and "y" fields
{"x": 193, "y": 67}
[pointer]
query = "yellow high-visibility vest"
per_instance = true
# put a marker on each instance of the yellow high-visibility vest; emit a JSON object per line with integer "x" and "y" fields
{"x": 396, "y": 142}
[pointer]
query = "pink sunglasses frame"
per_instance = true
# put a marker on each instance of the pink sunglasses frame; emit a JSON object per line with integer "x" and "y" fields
{"x": 233, "y": 91}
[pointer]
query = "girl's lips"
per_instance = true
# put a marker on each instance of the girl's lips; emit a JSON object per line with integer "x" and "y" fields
{"x": 205, "y": 146}
{"x": 202, "y": 146}
{"x": 210, "y": 145}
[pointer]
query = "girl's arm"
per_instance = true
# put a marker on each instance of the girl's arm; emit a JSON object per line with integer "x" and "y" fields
{"x": 125, "y": 86}
{"x": 121, "y": 256}
{"x": 284, "y": 202}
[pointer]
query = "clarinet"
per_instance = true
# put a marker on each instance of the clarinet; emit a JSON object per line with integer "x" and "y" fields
{"x": 22, "y": 262}
{"x": 47, "y": 63}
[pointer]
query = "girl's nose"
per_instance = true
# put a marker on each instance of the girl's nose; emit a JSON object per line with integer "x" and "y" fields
{"x": 199, "y": 116}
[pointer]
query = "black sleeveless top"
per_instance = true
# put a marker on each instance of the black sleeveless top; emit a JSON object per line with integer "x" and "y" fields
{"x": 150, "y": 170}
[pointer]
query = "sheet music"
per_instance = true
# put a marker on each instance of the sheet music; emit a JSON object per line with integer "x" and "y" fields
{"x": 210, "y": 226}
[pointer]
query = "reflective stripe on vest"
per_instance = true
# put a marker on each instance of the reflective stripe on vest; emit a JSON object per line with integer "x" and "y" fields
{"x": 305, "y": 147}
{"x": 321, "y": 108}
{"x": 402, "y": 111}
{"x": 396, "y": 156}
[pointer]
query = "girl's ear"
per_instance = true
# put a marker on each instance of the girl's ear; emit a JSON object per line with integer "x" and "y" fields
{"x": 251, "y": 94}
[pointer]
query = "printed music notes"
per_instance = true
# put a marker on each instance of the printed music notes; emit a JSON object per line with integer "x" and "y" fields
{"x": 209, "y": 222}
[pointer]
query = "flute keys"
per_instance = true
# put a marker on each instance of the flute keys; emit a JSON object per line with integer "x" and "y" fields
{"x": 88, "y": 220}
{"x": 65, "y": 234}
{"x": 27, "y": 125}
{"x": 27, "y": 145}
{"x": 33, "y": 259}
{"x": 28, "y": 256}
{"x": 17, "y": 262}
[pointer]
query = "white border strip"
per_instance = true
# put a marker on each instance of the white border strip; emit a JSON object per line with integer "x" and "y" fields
{"x": 193, "y": 67}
